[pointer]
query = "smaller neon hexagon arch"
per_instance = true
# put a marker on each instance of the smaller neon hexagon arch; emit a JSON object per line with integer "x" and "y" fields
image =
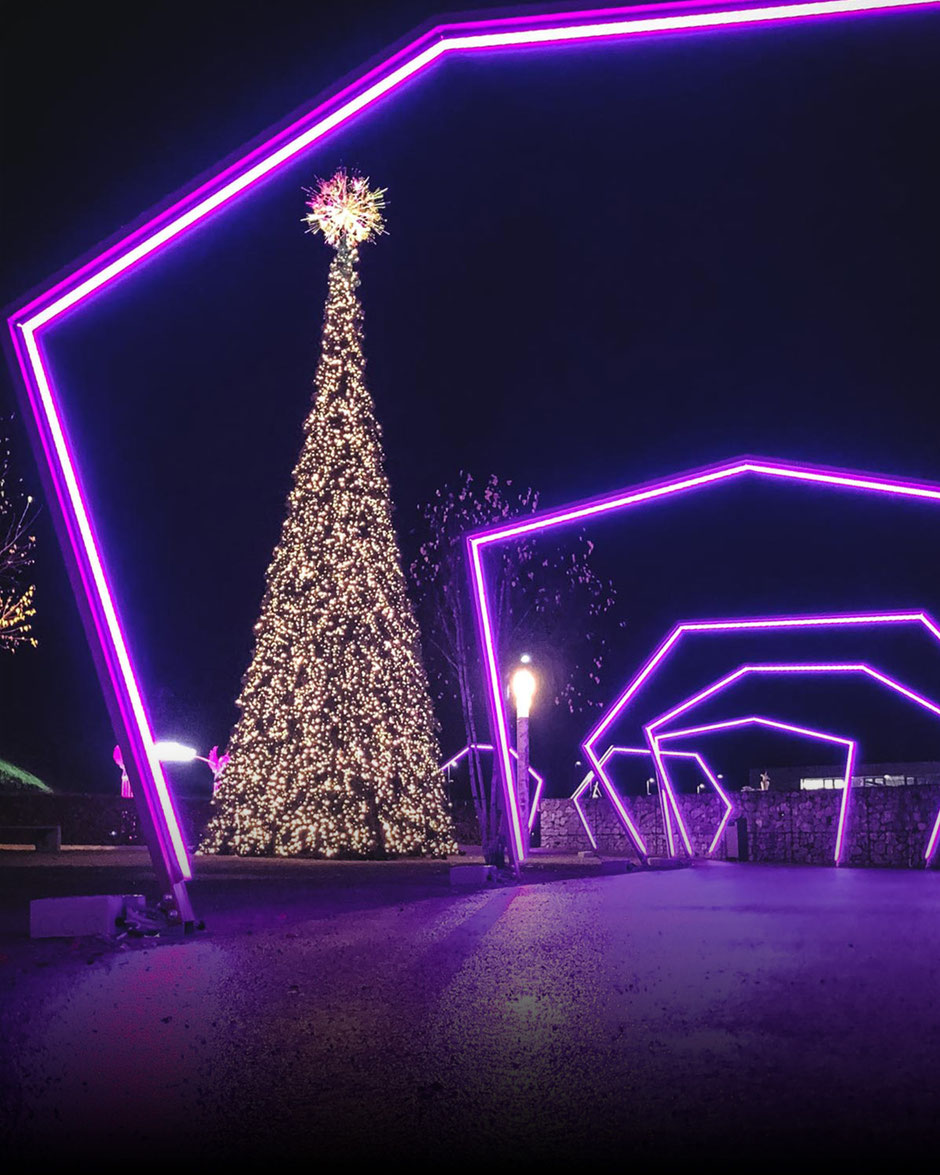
{"x": 694, "y": 755}
{"x": 539, "y": 779}
{"x": 849, "y": 744}
{"x": 668, "y": 648}
{"x": 654, "y": 737}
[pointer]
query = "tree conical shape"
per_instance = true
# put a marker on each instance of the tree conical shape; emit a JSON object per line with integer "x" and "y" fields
{"x": 334, "y": 753}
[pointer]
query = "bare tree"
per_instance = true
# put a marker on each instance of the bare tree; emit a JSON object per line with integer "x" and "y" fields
{"x": 17, "y": 542}
{"x": 546, "y": 599}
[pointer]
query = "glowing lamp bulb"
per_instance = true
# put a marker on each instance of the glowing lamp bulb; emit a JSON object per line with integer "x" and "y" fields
{"x": 169, "y": 751}
{"x": 523, "y": 691}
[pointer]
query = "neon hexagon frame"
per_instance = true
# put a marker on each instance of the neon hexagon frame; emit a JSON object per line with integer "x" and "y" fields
{"x": 664, "y": 753}
{"x": 654, "y": 737}
{"x": 29, "y": 322}
{"x": 478, "y": 543}
{"x": 750, "y": 625}
{"x": 694, "y": 755}
{"x": 851, "y": 750}
{"x": 539, "y": 779}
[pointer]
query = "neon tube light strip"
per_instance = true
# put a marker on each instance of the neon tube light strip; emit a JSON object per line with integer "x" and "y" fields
{"x": 539, "y": 779}
{"x": 467, "y": 37}
{"x": 196, "y": 206}
{"x": 752, "y": 720}
{"x": 653, "y": 736}
{"x": 575, "y": 799}
{"x": 719, "y": 627}
{"x": 706, "y": 771}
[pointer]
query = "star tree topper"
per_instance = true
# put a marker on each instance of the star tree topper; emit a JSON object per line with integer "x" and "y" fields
{"x": 345, "y": 210}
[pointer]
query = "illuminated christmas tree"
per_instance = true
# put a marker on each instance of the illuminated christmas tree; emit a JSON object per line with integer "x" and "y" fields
{"x": 335, "y": 753}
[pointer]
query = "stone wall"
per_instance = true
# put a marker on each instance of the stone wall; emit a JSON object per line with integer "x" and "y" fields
{"x": 110, "y": 820}
{"x": 886, "y": 826}
{"x": 94, "y": 820}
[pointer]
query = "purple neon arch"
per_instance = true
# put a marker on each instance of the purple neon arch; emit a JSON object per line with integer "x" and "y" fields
{"x": 695, "y": 480}
{"x": 703, "y": 767}
{"x": 653, "y": 736}
{"x": 539, "y": 779}
{"x": 29, "y": 323}
{"x": 850, "y": 745}
{"x": 668, "y": 647}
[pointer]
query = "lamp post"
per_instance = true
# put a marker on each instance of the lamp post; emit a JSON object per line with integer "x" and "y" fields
{"x": 523, "y": 690}
{"x": 170, "y": 751}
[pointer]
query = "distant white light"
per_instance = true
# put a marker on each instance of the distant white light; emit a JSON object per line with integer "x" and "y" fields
{"x": 169, "y": 751}
{"x": 525, "y": 659}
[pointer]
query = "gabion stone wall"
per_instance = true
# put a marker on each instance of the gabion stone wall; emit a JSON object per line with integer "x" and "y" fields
{"x": 562, "y": 830}
{"x": 886, "y": 826}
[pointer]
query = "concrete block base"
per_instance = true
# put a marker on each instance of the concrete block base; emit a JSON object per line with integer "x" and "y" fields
{"x": 73, "y": 917}
{"x": 472, "y": 875}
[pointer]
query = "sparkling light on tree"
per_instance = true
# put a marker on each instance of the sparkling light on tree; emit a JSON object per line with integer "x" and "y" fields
{"x": 17, "y": 542}
{"x": 335, "y": 752}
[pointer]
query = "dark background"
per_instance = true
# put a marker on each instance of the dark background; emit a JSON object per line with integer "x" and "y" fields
{"x": 604, "y": 264}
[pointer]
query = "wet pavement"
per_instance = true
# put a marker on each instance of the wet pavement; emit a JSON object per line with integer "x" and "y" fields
{"x": 368, "y": 1012}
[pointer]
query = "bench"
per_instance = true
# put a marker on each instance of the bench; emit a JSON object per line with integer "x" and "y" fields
{"x": 47, "y": 838}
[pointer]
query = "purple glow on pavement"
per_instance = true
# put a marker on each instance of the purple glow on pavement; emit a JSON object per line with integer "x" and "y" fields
{"x": 196, "y": 206}
{"x": 653, "y": 736}
{"x": 539, "y": 779}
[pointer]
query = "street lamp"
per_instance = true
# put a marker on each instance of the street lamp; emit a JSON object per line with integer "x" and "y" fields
{"x": 523, "y": 685}
{"x": 170, "y": 751}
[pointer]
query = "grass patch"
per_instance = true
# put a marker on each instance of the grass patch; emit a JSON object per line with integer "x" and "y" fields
{"x": 13, "y": 778}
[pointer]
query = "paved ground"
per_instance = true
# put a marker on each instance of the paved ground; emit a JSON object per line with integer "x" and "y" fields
{"x": 367, "y": 1012}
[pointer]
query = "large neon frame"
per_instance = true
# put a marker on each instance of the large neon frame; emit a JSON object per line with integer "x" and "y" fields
{"x": 719, "y": 627}
{"x": 654, "y": 737}
{"x": 28, "y": 324}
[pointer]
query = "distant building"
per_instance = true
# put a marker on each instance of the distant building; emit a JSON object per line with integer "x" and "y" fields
{"x": 830, "y": 777}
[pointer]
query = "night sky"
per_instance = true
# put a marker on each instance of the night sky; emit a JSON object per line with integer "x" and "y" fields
{"x": 604, "y": 264}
